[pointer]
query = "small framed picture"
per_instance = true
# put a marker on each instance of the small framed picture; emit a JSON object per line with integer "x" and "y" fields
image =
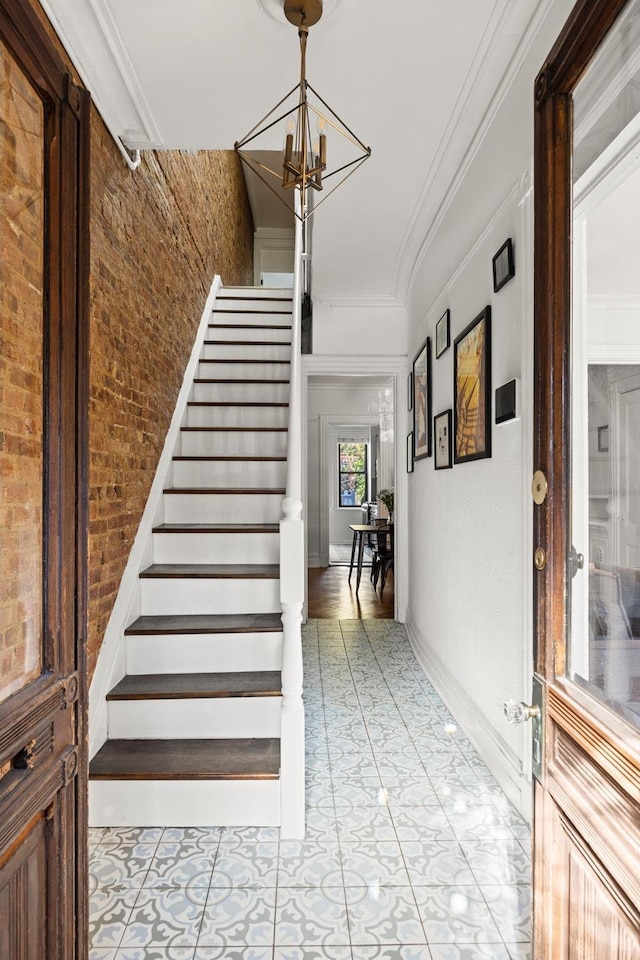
{"x": 504, "y": 267}
{"x": 472, "y": 390}
{"x": 422, "y": 402}
{"x": 443, "y": 341}
{"x": 410, "y": 391}
{"x": 442, "y": 441}
{"x": 603, "y": 439}
{"x": 410, "y": 452}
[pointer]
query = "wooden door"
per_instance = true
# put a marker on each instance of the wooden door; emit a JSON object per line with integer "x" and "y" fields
{"x": 587, "y": 626}
{"x": 43, "y": 361}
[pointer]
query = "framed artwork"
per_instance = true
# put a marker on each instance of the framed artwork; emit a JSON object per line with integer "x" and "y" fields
{"x": 443, "y": 341}
{"x": 422, "y": 402}
{"x": 410, "y": 391}
{"x": 472, "y": 390}
{"x": 442, "y": 444}
{"x": 603, "y": 439}
{"x": 504, "y": 267}
{"x": 410, "y": 452}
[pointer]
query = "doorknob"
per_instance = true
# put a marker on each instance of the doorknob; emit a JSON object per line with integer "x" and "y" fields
{"x": 517, "y": 712}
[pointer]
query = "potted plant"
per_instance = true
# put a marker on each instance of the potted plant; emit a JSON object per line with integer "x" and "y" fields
{"x": 386, "y": 497}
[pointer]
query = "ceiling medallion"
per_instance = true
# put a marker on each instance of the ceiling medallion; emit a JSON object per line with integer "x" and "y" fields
{"x": 275, "y": 9}
{"x": 308, "y": 123}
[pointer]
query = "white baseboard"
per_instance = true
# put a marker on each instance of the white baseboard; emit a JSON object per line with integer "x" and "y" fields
{"x": 314, "y": 560}
{"x": 110, "y": 667}
{"x": 504, "y": 764}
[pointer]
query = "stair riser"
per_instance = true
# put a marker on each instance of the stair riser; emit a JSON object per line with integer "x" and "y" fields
{"x": 227, "y": 443}
{"x": 225, "y": 370}
{"x": 250, "y": 351}
{"x": 216, "y": 548}
{"x": 237, "y": 416}
{"x": 162, "y": 597}
{"x": 229, "y": 473}
{"x": 194, "y": 719}
{"x": 222, "y": 508}
{"x": 184, "y": 803}
{"x": 203, "y": 653}
{"x": 250, "y": 330}
{"x": 241, "y": 392}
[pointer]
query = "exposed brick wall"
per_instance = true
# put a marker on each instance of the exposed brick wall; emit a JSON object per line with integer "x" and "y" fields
{"x": 21, "y": 377}
{"x": 158, "y": 236}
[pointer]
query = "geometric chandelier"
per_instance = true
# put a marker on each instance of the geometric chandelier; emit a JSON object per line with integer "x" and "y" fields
{"x": 305, "y": 122}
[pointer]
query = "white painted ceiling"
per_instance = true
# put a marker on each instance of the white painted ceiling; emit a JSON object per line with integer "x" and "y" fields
{"x": 413, "y": 79}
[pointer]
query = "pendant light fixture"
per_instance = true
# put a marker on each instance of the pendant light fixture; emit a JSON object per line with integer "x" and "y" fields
{"x": 318, "y": 150}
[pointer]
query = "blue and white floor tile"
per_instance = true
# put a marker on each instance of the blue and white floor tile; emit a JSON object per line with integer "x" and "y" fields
{"x": 412, "y": 851}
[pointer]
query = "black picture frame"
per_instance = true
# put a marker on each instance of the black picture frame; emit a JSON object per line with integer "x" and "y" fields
{"x": 410, "y": 391}
{"x": 443, "y": 440}
{"x": 504, "y": 267}
{"x": 603, "y": 439}
{"x": 422, "y": 401}
{"x": 443, "y": 335}
{"x": 410, "y": 452}
{"x": 472, "y": 390}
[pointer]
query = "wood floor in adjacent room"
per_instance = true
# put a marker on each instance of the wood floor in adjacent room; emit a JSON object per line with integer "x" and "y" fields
{"x": 332, "y": 597}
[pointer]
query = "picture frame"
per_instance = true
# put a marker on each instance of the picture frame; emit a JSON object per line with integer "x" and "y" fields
{"x": 442, "y": 440}
{"x": 504, "y": 267}
{"x": 410, "y": 391}
{"x": 410, "y": 452}
{"x": 472, "y": 390}
{"x": 603, "y": 439}
{"x": 443, "y": 336}
{"x": 422, "y": 401}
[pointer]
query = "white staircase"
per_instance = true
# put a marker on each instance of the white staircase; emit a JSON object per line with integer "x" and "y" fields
{"x": 195, "y": 725}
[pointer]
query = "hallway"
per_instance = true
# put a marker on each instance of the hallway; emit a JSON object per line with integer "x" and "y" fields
{"x": 412, "y": 851}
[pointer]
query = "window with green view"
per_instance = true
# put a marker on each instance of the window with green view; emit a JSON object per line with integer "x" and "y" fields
{"x": 352, "y": 474}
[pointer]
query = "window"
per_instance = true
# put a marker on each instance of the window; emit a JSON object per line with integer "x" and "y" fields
{"x": 352, "y": 474}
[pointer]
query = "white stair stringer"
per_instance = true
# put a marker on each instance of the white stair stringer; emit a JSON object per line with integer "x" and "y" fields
{"x": 209, "y": 602}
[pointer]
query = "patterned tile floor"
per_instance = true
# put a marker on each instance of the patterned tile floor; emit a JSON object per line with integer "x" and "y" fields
{"x": 412, "y": 852}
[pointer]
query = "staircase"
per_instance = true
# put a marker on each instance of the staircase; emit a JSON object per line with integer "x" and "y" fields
{"x": 194, "y": 727}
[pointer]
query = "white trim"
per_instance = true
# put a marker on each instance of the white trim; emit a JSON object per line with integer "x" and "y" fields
{"x": 614, "y": 353}
{"x": 446, "y": 151}
{"x": 110, "y": 667}
{"x": 517, "y": 192}
{"x": 395, "y": 368}
{"x": 503, "y": 763}
{"x": 90, "y": 36}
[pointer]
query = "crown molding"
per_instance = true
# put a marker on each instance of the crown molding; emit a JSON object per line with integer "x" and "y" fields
{"x": 480, "y": 85}
{"x": 92, "y": 40}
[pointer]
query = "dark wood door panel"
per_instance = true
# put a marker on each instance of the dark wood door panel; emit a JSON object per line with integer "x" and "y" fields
{"x": 23, "y": 884}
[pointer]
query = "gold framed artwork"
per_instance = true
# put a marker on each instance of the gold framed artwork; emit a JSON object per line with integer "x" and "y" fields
{"x": 422, "y": 402}
{"x": 472, "y": 390}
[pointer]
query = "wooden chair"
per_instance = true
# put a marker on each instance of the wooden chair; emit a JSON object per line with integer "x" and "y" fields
{"x": 382, "y": 560}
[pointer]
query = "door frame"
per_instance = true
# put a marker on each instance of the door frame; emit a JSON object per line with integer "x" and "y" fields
{"x": 53, "y": 792}
{"x": 586, "y": 746}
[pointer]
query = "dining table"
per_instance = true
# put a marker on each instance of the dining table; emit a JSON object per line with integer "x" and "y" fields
{"x": 360, "y": 533}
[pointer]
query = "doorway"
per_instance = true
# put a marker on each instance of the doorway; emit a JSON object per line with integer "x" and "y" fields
{"x": 351, "y": 458}
{"x": 587, "y": 572}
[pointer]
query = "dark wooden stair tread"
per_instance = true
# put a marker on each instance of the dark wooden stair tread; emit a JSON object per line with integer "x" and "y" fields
{"x": 249, "y": 326}
{"x": 206, "y": 459}
{"x": 212, "y": 571}
{"x": 237, "y": 429}
{"x": 242, "y": 491}
{"x": 186, "y": 686}
{"x": 238, "y": 360}
{"x": 195, "y": 623}
{"x": 236, "y": 403}
{"x": 262, "y": 299}
{"x": 217, "y": 528}
{"x": 235, "y": 380}
{"x": 247, "y": 343}
{"x": 241, "y": 759}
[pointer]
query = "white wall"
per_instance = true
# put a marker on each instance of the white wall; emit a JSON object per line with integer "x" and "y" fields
{"x": 470, "y": 570}
{"x": 330, "y": 404}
